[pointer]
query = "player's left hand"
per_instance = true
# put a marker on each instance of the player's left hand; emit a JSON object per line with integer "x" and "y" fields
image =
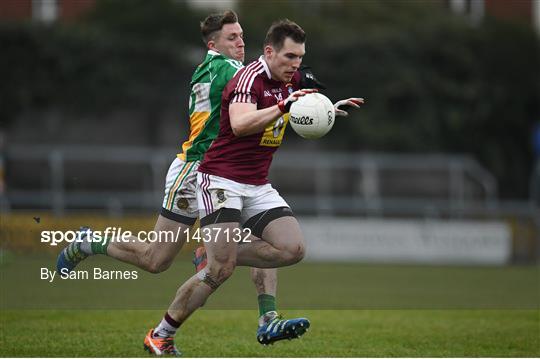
{"x": 346, "y": 105}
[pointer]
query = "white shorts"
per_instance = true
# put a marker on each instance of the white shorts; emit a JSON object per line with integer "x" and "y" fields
{"x": 217, "y": 192}
{"x": 180, "y": 201}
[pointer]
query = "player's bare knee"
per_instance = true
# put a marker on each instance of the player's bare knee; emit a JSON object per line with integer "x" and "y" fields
{"x": 145, "y": 261}
{"x": 222, "y": 264}
{"x": 153, "y": 262}
{"x": 223, "y": 270}
{"x": 152, "y": 268}
{"x": 295, "y": 253}
{"x": 159, "y": 265}
{"x": 299, "y": 252}
{"x": 221, "y": 259}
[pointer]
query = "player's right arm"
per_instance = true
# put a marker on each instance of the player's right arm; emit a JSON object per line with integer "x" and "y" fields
{"x": 247, "y": 120}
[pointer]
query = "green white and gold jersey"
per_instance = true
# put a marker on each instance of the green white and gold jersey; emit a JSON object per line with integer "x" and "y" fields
{"x": 207, "y": 85}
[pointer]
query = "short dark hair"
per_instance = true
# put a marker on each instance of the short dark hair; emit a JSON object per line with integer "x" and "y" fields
{"x": 282, "y": 29}
{"x": 214, "y": 23}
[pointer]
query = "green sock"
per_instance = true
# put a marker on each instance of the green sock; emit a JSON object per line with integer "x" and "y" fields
{"x": 99, "y": 246}
{"x": 267, "y": 303}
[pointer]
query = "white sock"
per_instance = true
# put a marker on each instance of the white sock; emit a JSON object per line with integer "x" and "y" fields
{"x": 166, "y": 328}
{"x": 85, "y": 244}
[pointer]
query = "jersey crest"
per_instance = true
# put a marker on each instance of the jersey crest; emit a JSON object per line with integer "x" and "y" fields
{"x": 273, "y": 133}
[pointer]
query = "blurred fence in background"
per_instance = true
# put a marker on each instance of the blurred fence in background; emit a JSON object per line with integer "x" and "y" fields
{"x": 445, "y": 192}
{"x": 116, "y": 179}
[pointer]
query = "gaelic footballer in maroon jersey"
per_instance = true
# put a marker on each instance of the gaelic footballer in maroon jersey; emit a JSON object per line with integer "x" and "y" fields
{"x": 232, "y": 184}
{"x": 247, "y": 159}
{"x": 232, "y": 181}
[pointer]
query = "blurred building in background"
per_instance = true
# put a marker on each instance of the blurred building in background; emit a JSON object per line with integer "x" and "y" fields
{"x": 53, "y": 10}
{"x": 517, "y": 10}
{"x": 44, "y": 10}
{"x": 68, "y": 10}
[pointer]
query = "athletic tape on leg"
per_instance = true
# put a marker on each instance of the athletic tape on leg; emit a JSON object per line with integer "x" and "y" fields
{"x": 207, "y": 279}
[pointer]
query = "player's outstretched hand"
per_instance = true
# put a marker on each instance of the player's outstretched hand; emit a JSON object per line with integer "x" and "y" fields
{"x": 285, "y": 105}
{"x": 346, "y": 105}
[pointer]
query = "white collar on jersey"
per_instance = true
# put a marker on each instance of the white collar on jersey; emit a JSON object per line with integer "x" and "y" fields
{"x": 212, "y": 52}
{"x": 265, "y": 65}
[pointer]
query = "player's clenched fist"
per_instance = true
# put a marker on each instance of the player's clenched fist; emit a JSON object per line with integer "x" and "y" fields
{"x": 285, "y": 105}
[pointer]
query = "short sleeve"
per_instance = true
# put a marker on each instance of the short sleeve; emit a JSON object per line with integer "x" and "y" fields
{"x": 246, "y": 89}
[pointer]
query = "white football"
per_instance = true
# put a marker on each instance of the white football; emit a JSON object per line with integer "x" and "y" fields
{"x": 312, "y": 115}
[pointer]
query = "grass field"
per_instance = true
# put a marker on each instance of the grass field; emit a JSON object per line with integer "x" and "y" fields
{"x": 231, "y": 333}
{"x": 356, "y": 310}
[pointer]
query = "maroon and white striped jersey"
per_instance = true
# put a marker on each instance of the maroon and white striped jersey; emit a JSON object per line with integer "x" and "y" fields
{"x": 247, "y": 159}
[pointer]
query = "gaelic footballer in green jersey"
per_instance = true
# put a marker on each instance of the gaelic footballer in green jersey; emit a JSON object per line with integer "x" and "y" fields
{"x": 207, "y": 85}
